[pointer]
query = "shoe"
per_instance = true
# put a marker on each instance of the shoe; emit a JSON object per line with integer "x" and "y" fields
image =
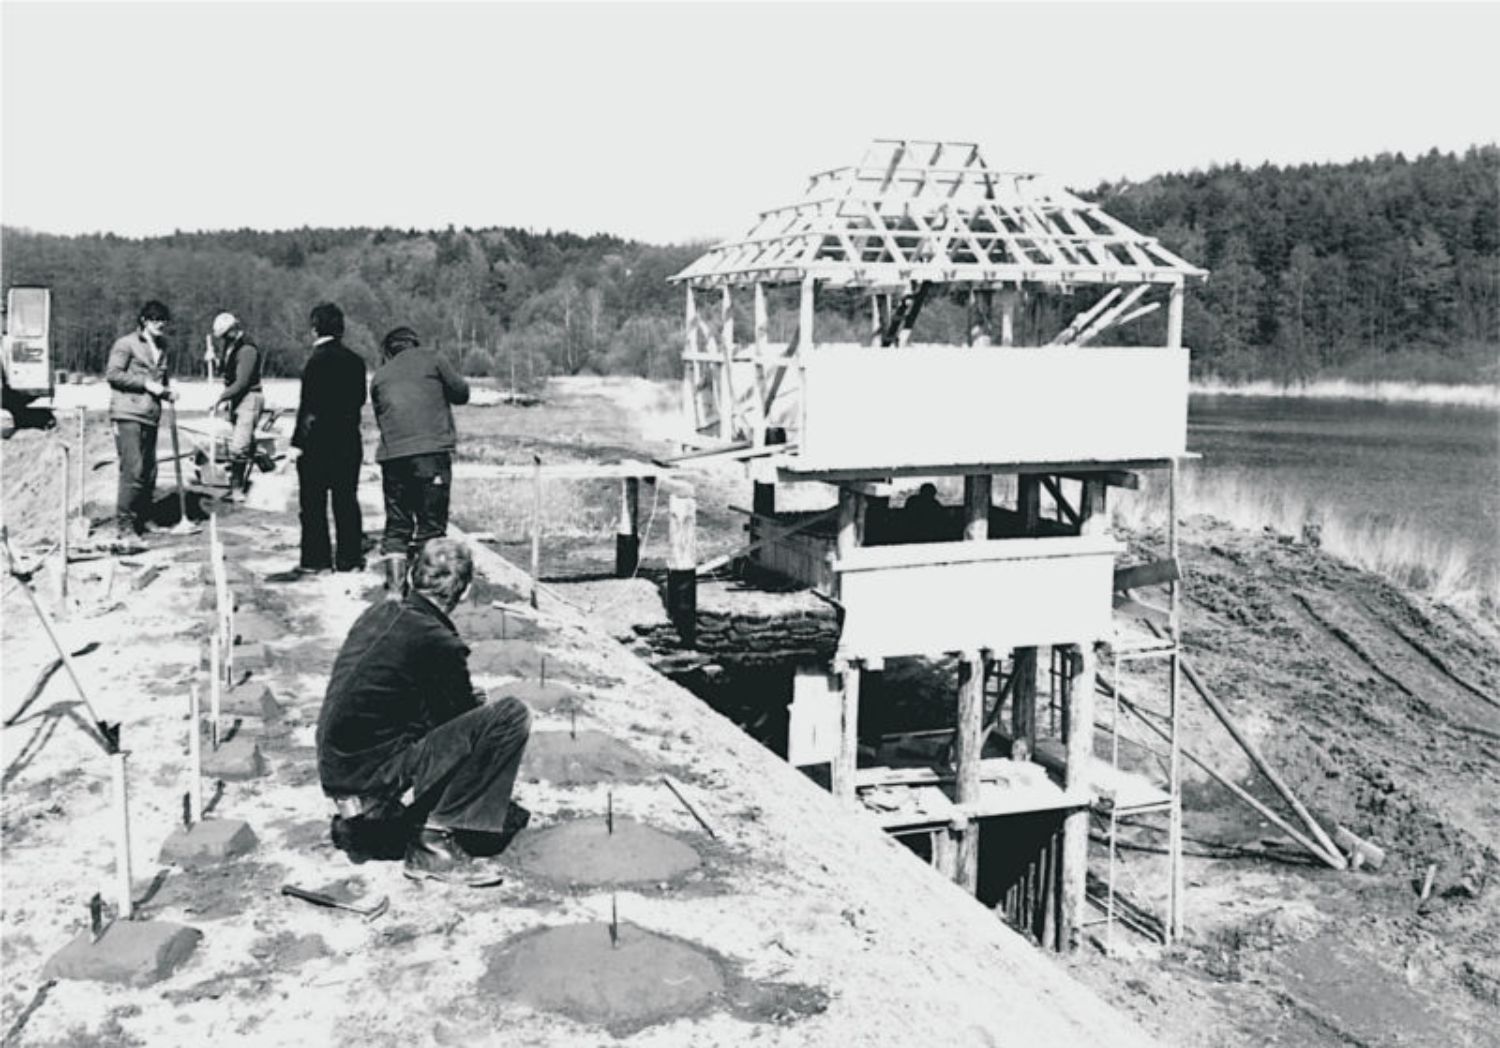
{"x": 395, "y": 576}
{"x": 435, "y": 855}
{"x": 358, "y": 565}
{"x": 481, "y": 844}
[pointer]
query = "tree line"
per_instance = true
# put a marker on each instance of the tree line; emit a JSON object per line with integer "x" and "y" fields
{"x": 1384, "y": 268}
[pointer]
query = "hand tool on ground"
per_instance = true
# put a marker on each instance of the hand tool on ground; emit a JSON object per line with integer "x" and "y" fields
{"x": 183, "y": 525}
{"x": 319, "y": 899}
{"x": 109, "y": 734}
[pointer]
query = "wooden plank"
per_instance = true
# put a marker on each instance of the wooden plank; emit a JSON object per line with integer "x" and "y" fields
{"x": 562, "y": 471}
{"x": 968, "y": 741}
{"x": 1153, "y": 574}
{"x": 1139, "y": 609}
{"x": 1079, "y": 740}
{"x": 939, "y": 554}
{"x": 1115, "y": 478}
{"x": 847, "y": 764}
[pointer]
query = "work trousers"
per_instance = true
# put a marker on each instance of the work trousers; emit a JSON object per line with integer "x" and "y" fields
{"x": 319, "y": 478}
{"x": 416, "y": 489}
{"x": 135, "y": 446}
{"x": 246, "y": 416}
{"x": 461, "y": 773}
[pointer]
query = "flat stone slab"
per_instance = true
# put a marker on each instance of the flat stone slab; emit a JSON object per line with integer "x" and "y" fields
{"x": 543, "y": 698}
{"x": 585, "y": 852}
{"x": 209, "y": 841}
{"x": 237, "y": 759}
{"x": 252, "y": 627}
{"x": 136, "y": 953}
{"x": 589, "y": 757}
{"x": 625, "y": 980}
{"x": 483, "y": 622}
{"x": 504, "y": 658}
{"x": 250, "y": 699}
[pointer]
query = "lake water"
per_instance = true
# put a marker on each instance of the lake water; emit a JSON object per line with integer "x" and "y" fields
{"x": 1386, "y": 481}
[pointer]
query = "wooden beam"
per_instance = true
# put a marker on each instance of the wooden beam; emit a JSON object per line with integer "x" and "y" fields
{"x": 762, "y": 342}
{"x": 689, "y": 366}
{"x": 628, "y": 531}
{"x": 1152, "y": 574}
{"x": 682, "y": 566}
{"x": 1055, "y": 490}
{"x": 726, "y": 371}
{"x": 1174, "y": 316}
{"x": 1078, "y": 733}
{"x": 1115, "y": 478}
{"x": 844, "y": 768}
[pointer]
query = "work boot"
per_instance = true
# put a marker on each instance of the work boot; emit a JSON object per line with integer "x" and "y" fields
{"x": 434, "y": 855}
{"x": 395, "y": 577}
{"x": 482, "y": 844}
{"x": 237, "y": 481}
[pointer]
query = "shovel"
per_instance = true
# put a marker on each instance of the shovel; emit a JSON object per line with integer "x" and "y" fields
{"x": 183, "y": 525}
{"x": 319, "y": 899}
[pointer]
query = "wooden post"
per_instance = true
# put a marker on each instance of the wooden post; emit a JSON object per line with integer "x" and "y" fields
{"x": 1174, "y": 317}
{"x": 848, "y": 757}
{"x": 804, "y": 345}
{"x": 762, "y": 346}
{"x": 215, "y": 689}
{"x": 1079, "y": 741}
{"x": 1008, "y": 299}
{"x": 851, "y": 525}
{"x": 1174, "y": 683}
{"x": 726, "y": 375}
{"x": 195, "y": 753}
{"x": 945, "y": 852}
{"x": 62, "y": 536}
{"x": 690, "y": 367}
{"x": 536, "y": 527}
{"x": 682, "y": 566}
{"x": 123, "y": 894}
{"x": 627, "y": 531}
{"x": 968, "y": 740}
{"x": 1023, "y": 692}
{"x": 1091, "y": 508}
{"x": 82, "y": 454}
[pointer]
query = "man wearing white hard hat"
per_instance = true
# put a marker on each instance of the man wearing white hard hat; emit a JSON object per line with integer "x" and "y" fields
{"x": 243, "y": 395}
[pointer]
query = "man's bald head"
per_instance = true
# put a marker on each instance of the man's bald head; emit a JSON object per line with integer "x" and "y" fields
{"x": 443, "y": 572}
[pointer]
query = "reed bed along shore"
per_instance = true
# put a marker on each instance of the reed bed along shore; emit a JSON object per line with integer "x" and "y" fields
{"x": 1400, "y": 549}
{"x": 1474, "y": 396}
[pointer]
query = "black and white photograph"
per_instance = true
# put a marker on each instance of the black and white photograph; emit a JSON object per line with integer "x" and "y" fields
{"x": 750, "y": 523}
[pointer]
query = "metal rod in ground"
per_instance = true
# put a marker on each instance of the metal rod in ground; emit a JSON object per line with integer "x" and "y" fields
{"x": 544, "y": 671}
{"x": 614, "y": 920}
{"x": 122, "y": 838}
{"x": 108, "y": 735}
{"x": 536, "y": 527}
{"x": 62, "y": 532}
{"x": 689, "y": 806}
{"x": 96, "y": 917}
{"x": 609, "y": 812}
{"x": 573, "y": 723}
{"x": 216, "y": 686}
{"x": 195, "y": 753}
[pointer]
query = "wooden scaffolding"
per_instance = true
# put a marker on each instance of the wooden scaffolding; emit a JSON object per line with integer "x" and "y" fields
{"x": 993, "y": 584}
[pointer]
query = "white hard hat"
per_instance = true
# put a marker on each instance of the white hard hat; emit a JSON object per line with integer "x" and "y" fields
{"x": 223, "y": 324}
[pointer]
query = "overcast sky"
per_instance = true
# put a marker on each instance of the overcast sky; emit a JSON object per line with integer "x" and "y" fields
{"x": 669, "y": 122}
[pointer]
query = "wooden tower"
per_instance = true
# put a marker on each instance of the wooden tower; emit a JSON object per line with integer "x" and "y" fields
{"x": 992, "y": 584}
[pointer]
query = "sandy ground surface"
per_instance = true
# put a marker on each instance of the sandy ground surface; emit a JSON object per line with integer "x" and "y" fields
{"x": 1377, "y": 707}
{"x": 815, "y": 928}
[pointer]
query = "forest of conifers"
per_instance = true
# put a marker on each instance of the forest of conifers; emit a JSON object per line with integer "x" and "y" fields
{"x": 1384, "y": 268}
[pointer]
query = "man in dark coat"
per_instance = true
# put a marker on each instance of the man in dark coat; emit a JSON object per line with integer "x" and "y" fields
{"x": 137, "y": 377}
{"x": 327, "y": 444}
{"x": 401, "y": 714}
{"x": 412, "y": 393}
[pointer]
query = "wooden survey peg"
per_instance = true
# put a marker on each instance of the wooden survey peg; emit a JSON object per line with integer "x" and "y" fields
{"x": 614, "y": 921}
{"x": 96, "y": 917}
{"x": 609, "y": 812}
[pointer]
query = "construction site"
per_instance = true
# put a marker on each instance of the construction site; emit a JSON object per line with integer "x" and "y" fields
{"x": 862, "y": 711}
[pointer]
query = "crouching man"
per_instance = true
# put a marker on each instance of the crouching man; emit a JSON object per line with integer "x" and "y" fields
{"x": 401, "y": 715}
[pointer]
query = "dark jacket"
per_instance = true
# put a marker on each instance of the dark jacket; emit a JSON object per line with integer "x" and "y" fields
{"x": 128, "y": 370}
{"x": 241, "y": 372}
{"x": 411, "y": 393}
{"x": 402, "y": 672}
{"x": 333, "y": 394}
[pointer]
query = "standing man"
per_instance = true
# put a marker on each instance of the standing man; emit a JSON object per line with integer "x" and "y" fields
{"x": 136, "y": 374}
{"x": 243, "y": 395}
{"x": 327, "y": 446}
{"x": 401, "y": 714}
{"x": 412, "y": 392}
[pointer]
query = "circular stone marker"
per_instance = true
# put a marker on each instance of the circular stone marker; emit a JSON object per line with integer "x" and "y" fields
{"x": 636, "y": 981}
{"x": 585, "y": 852}
{"x": 543, "y": 698}
{"x": 592, "y": 757}
{"x": 481, "y": 622}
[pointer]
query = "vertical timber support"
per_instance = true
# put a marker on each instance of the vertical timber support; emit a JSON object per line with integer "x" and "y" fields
{"x": 967, "y": 742}
{"x": 1008, "y": 300}
{"x": 682, "y": 566}
{"x": 1078, "y": 740}
{"x": 762, "y": 347}
{"x": 805, "y": 336}
{"x": 690, "y": 365}
{"x": 1174, "y": 316}
{"x": 850, "y": 534}
{"x": 628, "y": 530}
{"x": 1174, "y": 684}
{"x": 726, "y": 369}
{"x": 1023, "y": 692}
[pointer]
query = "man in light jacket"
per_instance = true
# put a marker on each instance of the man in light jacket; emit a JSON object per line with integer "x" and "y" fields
{"x": 243, "y": 396}
{"x": 412, "y": 393}
{"x": 137, "y": 376}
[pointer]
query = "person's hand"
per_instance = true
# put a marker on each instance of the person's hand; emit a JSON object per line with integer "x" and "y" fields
{"x": 155, "y": 388}
{"x": 293, "y": 454}
{"x": 168, "y": 395}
